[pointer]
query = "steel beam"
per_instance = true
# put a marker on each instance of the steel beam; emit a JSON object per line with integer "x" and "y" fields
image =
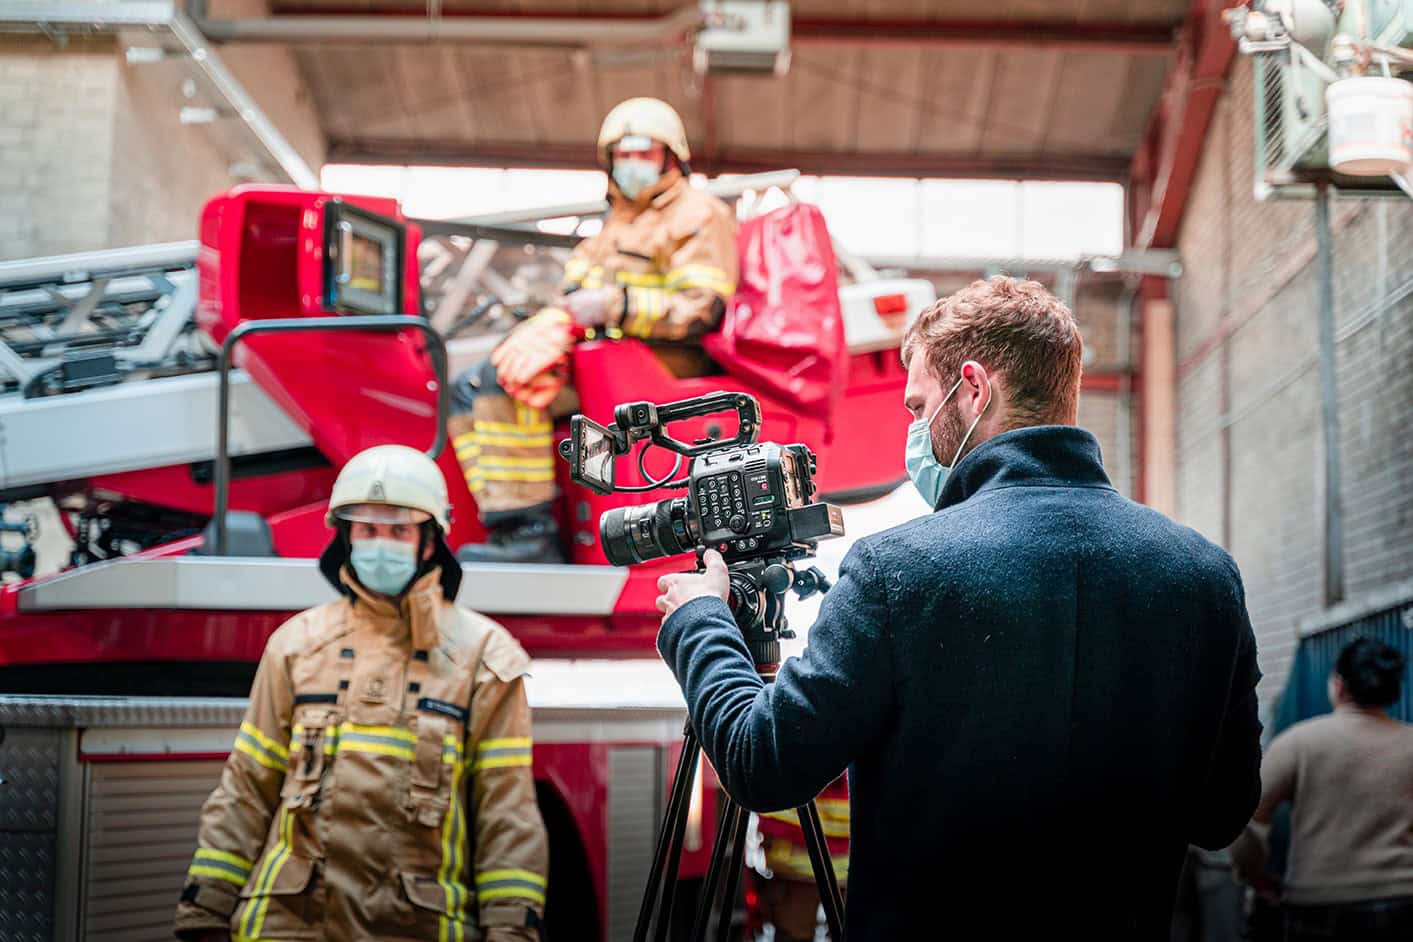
{"x": 1090, "y": 167}
{"x": 447, "y": 27}
{"x": 1161, "y": 173}
{"x": 1154, "y": 39}
{"x": 1099, "y": 36}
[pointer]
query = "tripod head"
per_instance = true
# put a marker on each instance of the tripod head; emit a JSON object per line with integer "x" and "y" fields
{"x": 757, "y": 601}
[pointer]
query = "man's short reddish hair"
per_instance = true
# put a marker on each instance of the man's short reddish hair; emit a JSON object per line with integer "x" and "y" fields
{"x": 1012, "y": 327}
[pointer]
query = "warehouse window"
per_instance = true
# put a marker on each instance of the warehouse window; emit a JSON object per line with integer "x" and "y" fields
{"x": 872, "y": 216}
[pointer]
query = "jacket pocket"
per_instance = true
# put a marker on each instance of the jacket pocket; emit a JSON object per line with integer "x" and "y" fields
{"x": 280, "y": 901}
{"x": 431, "y": 778}
{"x": 312, "y": 747}
{"x": 430, "y": 894}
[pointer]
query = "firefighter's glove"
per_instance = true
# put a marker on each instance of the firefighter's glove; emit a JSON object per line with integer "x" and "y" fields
{"x": 594, "y": 307}
{"x": 532, "y": 348}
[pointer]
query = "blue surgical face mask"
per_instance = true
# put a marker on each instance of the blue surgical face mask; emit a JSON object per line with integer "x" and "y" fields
{"x": 928, "y": 474}
{"x": 385, "y": 566}
{"x": 634, "y": 175}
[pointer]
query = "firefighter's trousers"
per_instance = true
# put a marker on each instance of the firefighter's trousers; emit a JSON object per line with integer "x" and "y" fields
{"x": 505, "y": 448}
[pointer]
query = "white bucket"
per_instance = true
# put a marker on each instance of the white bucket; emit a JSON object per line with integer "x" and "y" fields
{"x": 1371, "y": 125}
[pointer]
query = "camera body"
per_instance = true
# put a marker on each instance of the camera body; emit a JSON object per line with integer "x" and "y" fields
{"x": 748, "y": 500}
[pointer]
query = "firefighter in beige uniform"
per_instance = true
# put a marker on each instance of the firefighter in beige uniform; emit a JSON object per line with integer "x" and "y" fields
{"x": 662, "y": 269}
{"x": 380, "y": 784}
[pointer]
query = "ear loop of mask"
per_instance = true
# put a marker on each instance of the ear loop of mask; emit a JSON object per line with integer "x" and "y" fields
{"x": 974, "y": 423}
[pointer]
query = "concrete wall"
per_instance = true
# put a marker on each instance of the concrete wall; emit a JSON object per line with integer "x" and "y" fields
{"x": 1249, "y": 447}
{"x": 92, "y": 154}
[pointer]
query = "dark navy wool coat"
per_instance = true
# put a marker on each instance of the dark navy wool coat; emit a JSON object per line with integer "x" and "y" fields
{"x": 1043, "y": 693}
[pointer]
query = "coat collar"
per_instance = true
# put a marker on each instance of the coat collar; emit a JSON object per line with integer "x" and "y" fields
{"x": 1038, "y": 455}
{"x": 419, "y": 608}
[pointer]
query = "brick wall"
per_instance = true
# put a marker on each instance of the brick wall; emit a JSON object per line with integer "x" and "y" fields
{"x": 1249, "y": 444}
{"x": 55, "y": 151}
{"x": 92, "y": 154}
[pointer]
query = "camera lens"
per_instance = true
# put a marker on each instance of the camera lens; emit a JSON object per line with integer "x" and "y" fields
{"x": 637, "y": 534}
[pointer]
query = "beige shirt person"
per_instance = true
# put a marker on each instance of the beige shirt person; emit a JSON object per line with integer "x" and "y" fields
{"x": 1349, "y": 776}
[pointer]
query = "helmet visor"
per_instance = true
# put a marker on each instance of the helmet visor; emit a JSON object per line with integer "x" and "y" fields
{"x": 381, "y": 513}
{"x": 634, "y": 143}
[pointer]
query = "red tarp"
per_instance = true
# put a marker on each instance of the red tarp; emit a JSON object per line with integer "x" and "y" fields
{"x": 784, "y": 331}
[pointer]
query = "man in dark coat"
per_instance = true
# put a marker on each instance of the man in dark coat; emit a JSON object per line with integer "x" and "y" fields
{"x": 1043, "y": 691}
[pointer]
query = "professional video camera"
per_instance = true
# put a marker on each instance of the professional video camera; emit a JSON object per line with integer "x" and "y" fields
{"x": 748, "y": 500}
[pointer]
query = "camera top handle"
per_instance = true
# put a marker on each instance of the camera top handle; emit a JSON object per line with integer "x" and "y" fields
{"x": 634, "y": 421}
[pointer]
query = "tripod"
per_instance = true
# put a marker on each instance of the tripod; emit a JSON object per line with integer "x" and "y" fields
{"x": 757, "y": 604}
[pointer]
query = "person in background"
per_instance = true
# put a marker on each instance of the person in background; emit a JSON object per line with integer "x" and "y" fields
{"x": 1349, "y": 776}
{"x": 662, "y": 269}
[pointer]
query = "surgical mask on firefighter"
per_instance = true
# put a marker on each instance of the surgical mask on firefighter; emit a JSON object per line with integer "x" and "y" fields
{"x": 928, "y": 474}
{"x": 634, "y": 175}
{"x": 385, "y": 566}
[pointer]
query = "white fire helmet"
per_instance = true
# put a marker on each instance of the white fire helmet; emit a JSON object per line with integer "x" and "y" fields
{"x": 643, "y": 117}
{"x": 390, "y": 484}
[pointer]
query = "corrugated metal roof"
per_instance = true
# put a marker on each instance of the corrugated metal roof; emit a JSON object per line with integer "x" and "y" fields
{"x": 848, "y": 104}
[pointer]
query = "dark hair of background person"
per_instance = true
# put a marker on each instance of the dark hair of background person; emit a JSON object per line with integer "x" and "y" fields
{"x": 1372, "y": 672}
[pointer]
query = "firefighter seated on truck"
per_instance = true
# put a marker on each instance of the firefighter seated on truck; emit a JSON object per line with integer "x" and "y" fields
{"x": 380, "y": 784}
{"x": 662, "y": 269}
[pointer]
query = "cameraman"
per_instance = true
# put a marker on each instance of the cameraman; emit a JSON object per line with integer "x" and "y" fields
{"x": 1039, "y": 673}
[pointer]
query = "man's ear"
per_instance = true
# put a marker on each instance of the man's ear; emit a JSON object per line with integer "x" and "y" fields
{"x": 976, "y": 389}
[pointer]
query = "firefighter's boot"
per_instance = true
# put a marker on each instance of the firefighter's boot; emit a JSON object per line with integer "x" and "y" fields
{"x": 528, "y": 536}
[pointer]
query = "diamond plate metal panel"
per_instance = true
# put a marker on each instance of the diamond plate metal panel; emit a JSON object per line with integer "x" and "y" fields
{"x": 29, "y": 803}
{"x": 26, "y": 886}
{"x": 29, "y": 764}
{"x": 68, "y": 712}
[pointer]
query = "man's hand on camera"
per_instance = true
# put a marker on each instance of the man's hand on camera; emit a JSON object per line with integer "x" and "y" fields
{"x": 679, "y": 588}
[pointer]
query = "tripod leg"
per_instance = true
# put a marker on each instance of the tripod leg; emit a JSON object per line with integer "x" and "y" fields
{"x": 730, "y": 813}
{"x": 682, "y": 794}
{"x": 734, "y": 865}
{"x": 669, "y": 840}
{"x": 824, "y": 878}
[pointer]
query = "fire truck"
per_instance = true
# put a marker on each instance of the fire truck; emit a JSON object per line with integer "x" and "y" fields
{"x": 186, "y": 407}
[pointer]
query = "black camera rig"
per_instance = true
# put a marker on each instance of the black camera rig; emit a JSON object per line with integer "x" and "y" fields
{"x": 750, "y": 501}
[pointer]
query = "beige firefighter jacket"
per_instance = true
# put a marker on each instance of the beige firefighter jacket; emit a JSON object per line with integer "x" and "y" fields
{"x": 380, "y": 784}
{"x": 675, "y": 260}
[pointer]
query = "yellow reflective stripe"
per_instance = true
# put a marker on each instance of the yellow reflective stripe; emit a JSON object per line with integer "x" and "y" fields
{"x": 648, "y": 306}
{"x": 640, "y": 279}
{"x": 535, "y": 427}
{"x": 235, "y": 860}
{"x": 509, "y": 742}
{"x": 247, "y": 747}
{"x": 701, "y": 276}
{"x": 217, "y": 873}
{"x": 453, "y": 842}
{"x": 505, "y": 753}
{"x": 465, "y": 439}
{"x": 503, "y": 884}
{"x": 502, "y": 762}
{"x": 516, "y": 461}
{"x": 255, "y": 733}
{"x": 389, "y": 732}
{"x": 513, "y": 441}
{"x": 255, "y": 915}
{"x": 496, "y": 475}
{"x": 531, "y": 876}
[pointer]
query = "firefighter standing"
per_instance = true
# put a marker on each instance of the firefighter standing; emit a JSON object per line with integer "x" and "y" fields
{"x": 380, "y": 784}
{"x": 662, "y": 269}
